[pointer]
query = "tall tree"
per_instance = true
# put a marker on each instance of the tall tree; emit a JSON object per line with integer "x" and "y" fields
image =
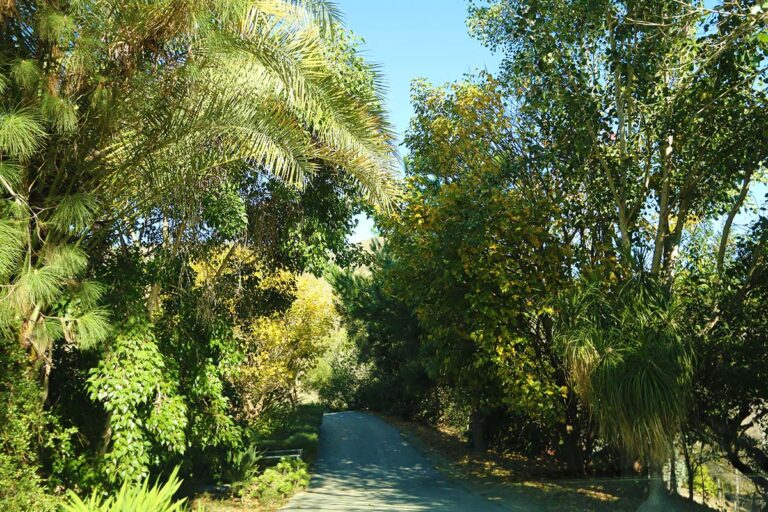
{"x": 617, "y": 99}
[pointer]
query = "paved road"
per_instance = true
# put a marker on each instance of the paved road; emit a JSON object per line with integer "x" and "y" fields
{"x": 364, "y": 464}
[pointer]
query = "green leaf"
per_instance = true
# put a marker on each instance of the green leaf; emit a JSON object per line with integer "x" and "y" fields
{"x": 75, "y": 213}
{"x": 26, "y": 74}
{"x": 91, "y": 328}
{"x": 20, "y": 133}
{"x": 60, "y": 112}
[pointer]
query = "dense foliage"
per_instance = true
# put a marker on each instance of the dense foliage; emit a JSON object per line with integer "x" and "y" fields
{"x": 574, "y": 267}
{"x": 170, "y": 172}
{"x": 565, "y": 255}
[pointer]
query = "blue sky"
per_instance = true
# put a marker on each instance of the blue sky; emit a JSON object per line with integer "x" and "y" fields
{"x": 410, "y": 39}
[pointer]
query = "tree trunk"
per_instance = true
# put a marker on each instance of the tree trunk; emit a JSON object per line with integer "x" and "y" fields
{"x": 477, "y": 431}
{"x": 572, "y": 449}
{"x": 673, "y": 472}
{"x": 689, "y": 469}
{"x": 658, "y": 499}
{"x": 729, "y": 221}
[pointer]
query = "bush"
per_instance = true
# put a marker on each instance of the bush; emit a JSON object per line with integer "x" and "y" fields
{"x": 21, "y": 422}
{"x": 279, "y": 482}
{"x": 21, "y": 488}
{"x": 241, "y": 468}
{"x": 132, "y": 498}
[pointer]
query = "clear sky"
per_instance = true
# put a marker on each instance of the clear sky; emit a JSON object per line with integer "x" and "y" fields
{"x": 410, "y": 39}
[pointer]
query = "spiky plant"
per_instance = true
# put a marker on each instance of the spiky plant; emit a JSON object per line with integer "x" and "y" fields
{"x": 628, "y": 360}
{"x": 132, "y": 498}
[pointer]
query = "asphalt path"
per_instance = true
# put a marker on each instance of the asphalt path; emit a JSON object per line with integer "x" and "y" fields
{"x": 365, "y": 464}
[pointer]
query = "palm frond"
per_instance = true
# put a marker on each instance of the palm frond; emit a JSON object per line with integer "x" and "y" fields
{"x": 12, "y": 235}
{"x": 87, "y": 293}
{"x": 60, "y": 113}
{"x": 21, "y": 134}
{"x": 55, "y": 26}
{"x": 26, "y": 74}
{"x": 66, "y": 261}
{"x": 39, "y": 287}
{"x": 74, "y": 212}
{"x": 627, "y": 359}
{"x": 91, "y": 328}
{"x": 11, "y": 173}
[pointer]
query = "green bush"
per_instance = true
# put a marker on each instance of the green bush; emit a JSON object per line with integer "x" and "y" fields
{"x": 22, "y": 422}
{"x": 279, "y": 482}
{"x": 241, "y": 468}
{"x": 21, "y": 489}
{"x": 132, "y": 498}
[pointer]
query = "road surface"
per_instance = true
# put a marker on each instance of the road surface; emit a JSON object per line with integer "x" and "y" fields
{"x": 365, "y": 464}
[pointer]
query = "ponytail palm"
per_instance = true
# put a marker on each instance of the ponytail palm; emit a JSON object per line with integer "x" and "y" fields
{"x": 627, "y": 358}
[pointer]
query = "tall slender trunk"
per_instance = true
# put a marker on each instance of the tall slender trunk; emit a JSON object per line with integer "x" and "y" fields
{"x": 688, "y": 468}
{"x": 662, "y": 229}
{"x": 729, "y": 221}
{"x": 673, "y": 471}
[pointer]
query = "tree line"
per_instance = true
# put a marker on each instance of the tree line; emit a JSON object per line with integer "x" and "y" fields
{"x": 578, "y": 262}
{"x": 173, "y": 177}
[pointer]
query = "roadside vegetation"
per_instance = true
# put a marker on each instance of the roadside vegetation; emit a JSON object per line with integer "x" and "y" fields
{"x": 259, "y": 478}
{"x": 572, "y": 272}
{"x": 576, "y": 272}
{"x": 174, "y": 178}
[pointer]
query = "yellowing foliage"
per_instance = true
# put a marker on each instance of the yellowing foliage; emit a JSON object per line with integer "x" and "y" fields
{"x": 278, "y": 349}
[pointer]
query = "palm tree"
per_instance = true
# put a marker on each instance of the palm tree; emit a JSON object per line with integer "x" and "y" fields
{"x": 627, "y": 359}
{"x": 109, "y": 110}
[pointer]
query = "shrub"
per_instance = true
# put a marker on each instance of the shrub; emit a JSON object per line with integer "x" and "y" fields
{"x": 298, "y": 431}
{"x": 280, "y": 482}
{"x": 132, "y": 498}
{"x": 21, "y": 422}
{"x": 241, "y": 468}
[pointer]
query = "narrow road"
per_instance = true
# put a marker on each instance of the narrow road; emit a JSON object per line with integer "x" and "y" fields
{"x": 364, "y": 464}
